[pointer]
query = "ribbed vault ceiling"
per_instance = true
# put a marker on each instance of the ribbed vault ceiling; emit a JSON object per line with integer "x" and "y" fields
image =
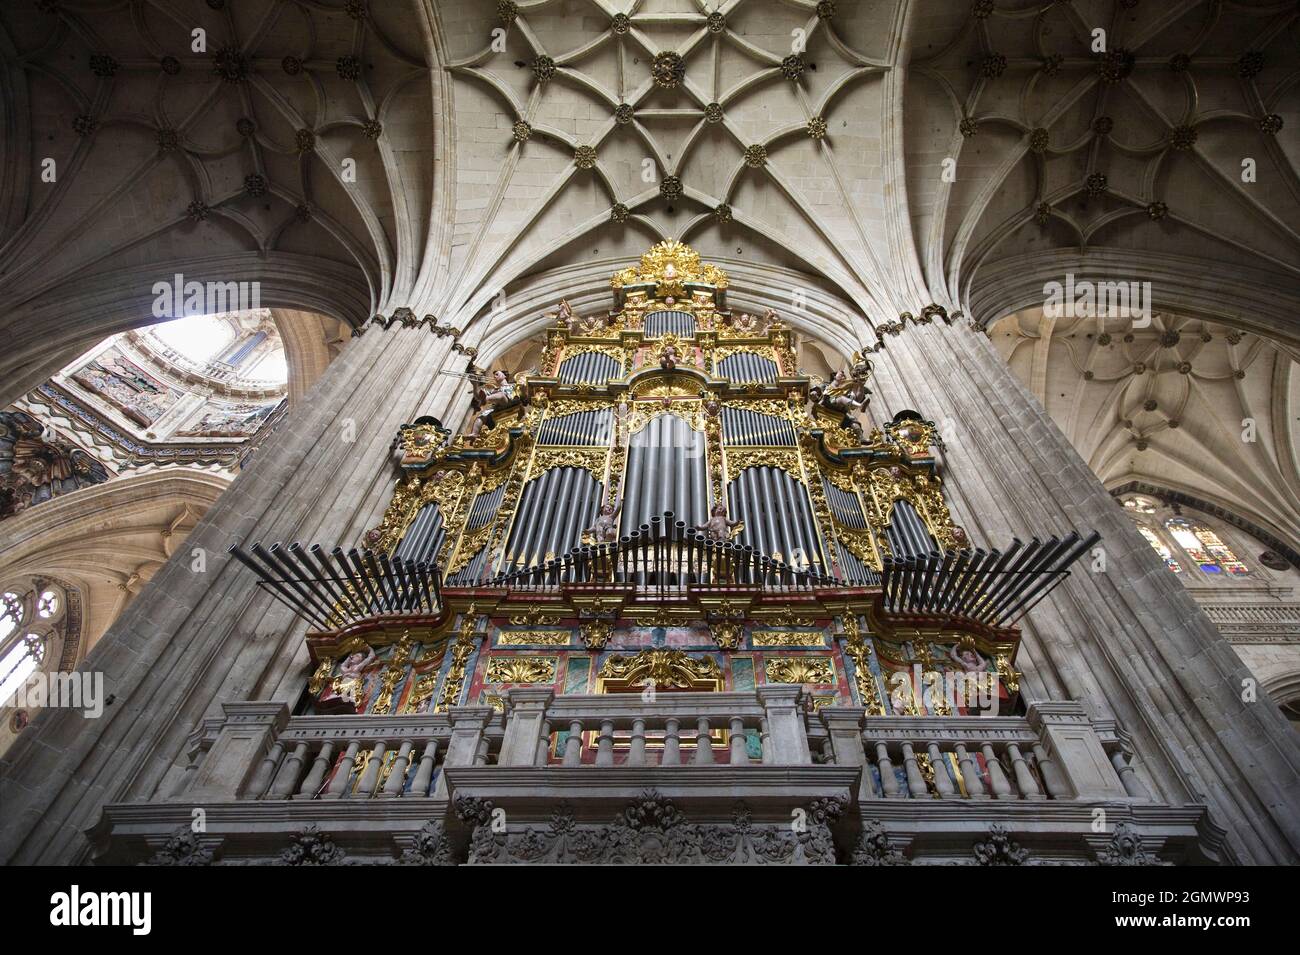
{"x": 583, "y": 131}
{"x": 1183, "y": 404}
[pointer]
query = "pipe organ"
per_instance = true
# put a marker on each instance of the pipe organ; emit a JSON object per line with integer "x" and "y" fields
{"x": 667, "y": 486}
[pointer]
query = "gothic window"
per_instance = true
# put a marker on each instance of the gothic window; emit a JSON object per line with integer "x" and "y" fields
{"x": 32, "y": 617}
{"x": 1160, "y": 548}
{"x": 1206, "y": 549}
{"x": 19, "y": 662}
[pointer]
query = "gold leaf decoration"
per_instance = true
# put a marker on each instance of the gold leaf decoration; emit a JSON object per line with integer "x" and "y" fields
{"x": 817, "y": 670}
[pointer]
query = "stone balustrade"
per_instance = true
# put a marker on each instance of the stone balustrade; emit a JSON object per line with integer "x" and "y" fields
{"x": 334, "y": 757}
{"x": 756, "y": 727}
{"x": 1055, "y": 752}
{"x": 375, "y": 783}
{"x": 257, "y": 752}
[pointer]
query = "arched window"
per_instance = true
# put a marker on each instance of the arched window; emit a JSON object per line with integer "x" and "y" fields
{"x": 1160, "y": 548}
{"x": 19, "y": 662}
{"x": 33, "y": 621}
{"x": 1206, "y": 549}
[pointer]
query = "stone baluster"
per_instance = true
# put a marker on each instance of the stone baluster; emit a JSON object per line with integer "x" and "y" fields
{"x": 287, "y": 779}
{"x": 1056, "y": 785}
{"x": 997, "y": 778}
{"x": 739, "y": 748}
{"x": 970, "y": 773}
{"x": 672, "y": 743}
{"x": 1128, "y": 776}
{"x": 397, "y": 774}
{"x": 888, "y": 779}
{"x": 703, "y": 742}
{"x": 765, "y": 737}
{"x": 319, "y": 767}
{"x": 543, "y": 744}
{"x": 915, "y": 781}
{"x": 636, "y": 749}
{"x": 785, "y": 724}
{"x": 257, "y": 786}
{"x": 468, "y": 725}
{"x": 243, "y": 757}
{"x": 1025, "y": 781}
{"x": 527, "y": 709}
{"x": 942, "y": 778}
{"x": 573, "y": 744}
{"x": 339, "y": 784}
{"x": 370, "y": 775}
{"x": 424, "y": 775}
{"x": 605, "y": 744}
{"x": 481, "y": 754}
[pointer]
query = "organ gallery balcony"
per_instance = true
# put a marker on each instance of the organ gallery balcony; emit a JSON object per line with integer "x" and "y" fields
{"x": 489, "y": 785}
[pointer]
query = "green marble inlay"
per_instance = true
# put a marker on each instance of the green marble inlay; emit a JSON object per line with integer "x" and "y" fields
{"x": 742, "y": 673}
{"x": 576, "y": 680}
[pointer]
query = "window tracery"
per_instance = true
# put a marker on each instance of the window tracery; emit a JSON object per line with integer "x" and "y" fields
{"x": 33, "y": 616}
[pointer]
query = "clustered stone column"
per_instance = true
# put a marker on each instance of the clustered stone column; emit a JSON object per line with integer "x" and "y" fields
{"x": 1128, "y": 641}
{"x": 202, "y": 634}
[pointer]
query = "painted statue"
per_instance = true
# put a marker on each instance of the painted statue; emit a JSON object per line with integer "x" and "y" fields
{"x": 605, "y": 529}
{"x": 718, "y": 526}
{"x": 846, "y": 394}
{"x": 347, "y": 691}
{"x": 486, "y": 402}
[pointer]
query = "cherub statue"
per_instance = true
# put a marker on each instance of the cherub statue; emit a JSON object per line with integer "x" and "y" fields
{"x": 718, "y": 526}
{"x": 966, "y": 657}
{"x": 668, "y": 358}
{"x": 847, "y": 394}
{"x": 564, "y": 314}
{"x": 502, "y": 393}
{"x": 605, "y": 530}
{"x": 744, "y": 323}
{"x": 712, "y": 406}
{"x": 350, "y": 682}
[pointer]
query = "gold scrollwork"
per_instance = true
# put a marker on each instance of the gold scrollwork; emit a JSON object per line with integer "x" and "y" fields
{"x": 589, "y": 459}
{"x": 461, "y": 651}
{"x": 596, "y": 634}
{"x": 739, "y": 458}
{"x": 728, "y": 635}
{"x": 393, "y": 673}
{"x": 522, "y": 669}
{"x": 536, "y": 638}
{"x": 664, "y": 667}
{"x": 815, "y": 670}
{"x": 670, "y": 265}
{"x": 787, "y": 638}
{"x": 692, "y": 412}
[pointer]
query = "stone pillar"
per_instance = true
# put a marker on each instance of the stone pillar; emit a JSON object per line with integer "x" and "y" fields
{"x": 844, "y": 729}
{"x": 236, "y": 765}
{"x": 1072, "y": 757}
{"x": 1128, "y": 644}
{"x": 195, "y": 639}
{"x": 524, "y": 726}
{"x": 785, "y": 725}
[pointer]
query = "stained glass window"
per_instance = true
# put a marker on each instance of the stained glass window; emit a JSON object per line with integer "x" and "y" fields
{"x": 11, "y": 614}
{"x": 1206, "y": 549}
{"x": 1160, "y": 548}
{"x": 48, "y": 605}
{"x": 20, "y": 663}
